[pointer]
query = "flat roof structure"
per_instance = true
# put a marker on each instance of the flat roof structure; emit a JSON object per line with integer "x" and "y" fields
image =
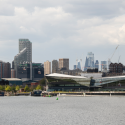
{"x": 11, "y": 79}
{"x": 64, "y": 76}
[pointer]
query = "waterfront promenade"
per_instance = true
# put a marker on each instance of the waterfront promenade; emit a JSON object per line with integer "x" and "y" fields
{"x": 96, "y": 110}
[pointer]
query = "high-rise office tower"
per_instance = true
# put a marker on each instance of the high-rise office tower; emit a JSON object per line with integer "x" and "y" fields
{"x": 97, "y": 64}
{"x": 89, "y": 61}
{"x": 109, "y": 62}
{"x": 74, "y": 67}
{"x": 103, "y": 65}
{"x": 79, "y": 65}
{"x": 54, "y": 66}
{"x": 47, "y": 67}
{"x": 64, "y": 63}
{"x": 25, "y": 53}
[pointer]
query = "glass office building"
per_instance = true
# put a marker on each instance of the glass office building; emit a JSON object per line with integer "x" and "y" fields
{"x": 89, "y": 63}
{"x": 25, "y": 53}
{"x": 103, "y": 65}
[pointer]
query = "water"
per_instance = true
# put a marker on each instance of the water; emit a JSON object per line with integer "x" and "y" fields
{"x": 97, "y": 110}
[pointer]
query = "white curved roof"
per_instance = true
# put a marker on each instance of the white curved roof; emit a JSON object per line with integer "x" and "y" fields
{"x": 63, "y": 75}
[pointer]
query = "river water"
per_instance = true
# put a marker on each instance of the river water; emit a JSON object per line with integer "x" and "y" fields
{"x": 96, "y": 110}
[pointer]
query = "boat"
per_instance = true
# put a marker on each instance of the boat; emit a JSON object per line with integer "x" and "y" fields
{"x": 1, "y": 93}
{"x": 36, "y": 93}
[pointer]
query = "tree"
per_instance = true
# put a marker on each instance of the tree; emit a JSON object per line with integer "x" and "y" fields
{"x": 42, "y": 82}
{"x": 13, "y": 88}
{"x": 38, "y": 87}
{"x": 17, "y": 88}
{"x": 31, "y": 88}
{"x": 8, "y": 88}
{"x": 2, "y": 88}
{"x": 26, "y": 88}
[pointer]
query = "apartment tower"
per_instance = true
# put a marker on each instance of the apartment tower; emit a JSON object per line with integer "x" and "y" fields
{"x": 54, "y": 66}
{"x": 47, "y": 67}
{"x": 64, "y": 63}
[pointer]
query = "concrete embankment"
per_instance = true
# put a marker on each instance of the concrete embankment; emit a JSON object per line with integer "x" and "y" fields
{"x": 85, "y": 93}
{"x": 108, "y": 93}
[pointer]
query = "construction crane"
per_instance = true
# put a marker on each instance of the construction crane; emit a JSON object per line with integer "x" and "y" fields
{"x": 113, "y": 53}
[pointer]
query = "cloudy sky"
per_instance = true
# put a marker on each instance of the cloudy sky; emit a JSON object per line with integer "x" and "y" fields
{"x": 63, "y": 29}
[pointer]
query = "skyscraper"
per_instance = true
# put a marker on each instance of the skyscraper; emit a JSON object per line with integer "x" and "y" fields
{"x": 97, "y": 64}
{"x": 74, "y": 67}
{"x": 79, "y": 65}
{"x": 103, "y": 65}
{"x": 89, "y": 63}
{"x": 47, "y": 67}
{"x": 109, "y": 62}
{"x": 64, "y": 63}
{"x": 5, "y": 69}
{"x": 25, "y": 53}
{"x": 54, "y": 66}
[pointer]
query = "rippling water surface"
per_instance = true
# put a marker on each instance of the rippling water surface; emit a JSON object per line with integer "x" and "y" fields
{"x": 98, "y": 110}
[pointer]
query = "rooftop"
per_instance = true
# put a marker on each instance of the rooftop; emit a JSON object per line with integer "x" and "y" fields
{"x": 11, "y": 79}
{"x": 63, "y": 75}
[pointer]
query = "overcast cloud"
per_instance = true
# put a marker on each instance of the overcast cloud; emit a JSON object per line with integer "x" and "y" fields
{"x": 63, "y": 28}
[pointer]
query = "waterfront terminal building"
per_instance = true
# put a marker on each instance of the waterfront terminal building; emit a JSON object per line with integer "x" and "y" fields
{"x": 62, "y": 82}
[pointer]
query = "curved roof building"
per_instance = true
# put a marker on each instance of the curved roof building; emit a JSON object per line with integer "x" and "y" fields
{"x": 62, "y": 82}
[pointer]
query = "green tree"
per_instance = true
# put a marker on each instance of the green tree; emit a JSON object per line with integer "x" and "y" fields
{"x": 38, "y": 87}
{"x": 21, "y": 86}
{"x": 42, "y": 82}
{"x": 13, "y": 88}
{"x": 31, "y": 88}
{"x": 2, "y": 88}
{"x": 8, "y": 88}
{"x": 17, "y": 88}
{"x": 26, "y": 88}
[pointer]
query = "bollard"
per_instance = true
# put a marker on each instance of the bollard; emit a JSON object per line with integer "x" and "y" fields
{"x": 110, "y": 94}
{"x": 84, "y": 94}
{"x": 56, "y": 98}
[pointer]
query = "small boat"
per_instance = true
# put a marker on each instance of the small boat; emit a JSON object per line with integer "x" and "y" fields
{"x": 36, "y": 93}
{"x": 1, "y": 93}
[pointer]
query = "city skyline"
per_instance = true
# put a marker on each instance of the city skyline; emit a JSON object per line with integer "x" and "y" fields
{"x": 61, "y": 29}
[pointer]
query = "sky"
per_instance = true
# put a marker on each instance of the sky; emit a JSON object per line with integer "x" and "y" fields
{"x": 63, "y": 29}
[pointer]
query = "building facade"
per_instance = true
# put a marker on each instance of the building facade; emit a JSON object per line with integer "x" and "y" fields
{"x": 37, "y": 71}
{"x": 25, "y": 53}
{"x": 32, "y": 71}
{"x": 5, "y": 70}
{"x": 97, "y": 64}
{"x": 47, "y": 67}
{"x": 79, "y": 65}
{"x": 61, "y": 82}
{"x": 64, "y": 63}
{"x": 54, "y": 66}
{"x": 103, "y": 65}
{"x": 13, "y": 73}
{"x": 89, "y": 63}
{"x": 75, "y": 67}
{"x": 116, "y": 68}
